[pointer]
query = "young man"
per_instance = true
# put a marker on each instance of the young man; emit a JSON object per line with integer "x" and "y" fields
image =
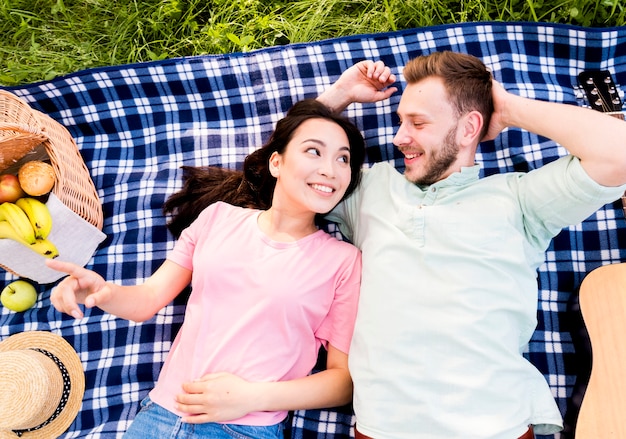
{"x": 449, "y": 294}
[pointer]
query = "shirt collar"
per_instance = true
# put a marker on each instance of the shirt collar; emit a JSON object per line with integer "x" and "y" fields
{"x": 467, "y": 174}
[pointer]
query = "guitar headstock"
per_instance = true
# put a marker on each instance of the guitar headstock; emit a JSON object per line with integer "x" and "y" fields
{"x": 600, "y": 91}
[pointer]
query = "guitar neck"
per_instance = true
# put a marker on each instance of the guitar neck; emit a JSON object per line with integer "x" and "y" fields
{"x": 601, "y": 94}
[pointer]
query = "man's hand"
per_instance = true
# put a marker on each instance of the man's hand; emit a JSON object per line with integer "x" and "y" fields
{"x": 366, "y": 81}
{"x": 499, "y": 116}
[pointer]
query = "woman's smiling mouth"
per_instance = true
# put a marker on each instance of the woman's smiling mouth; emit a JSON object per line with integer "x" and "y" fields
{"x": 322, "y": 188}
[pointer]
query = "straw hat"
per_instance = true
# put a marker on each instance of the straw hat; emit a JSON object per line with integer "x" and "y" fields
{"x": 42, "y": 383}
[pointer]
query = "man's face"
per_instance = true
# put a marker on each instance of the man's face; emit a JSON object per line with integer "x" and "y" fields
{"x": 428, "y": 132}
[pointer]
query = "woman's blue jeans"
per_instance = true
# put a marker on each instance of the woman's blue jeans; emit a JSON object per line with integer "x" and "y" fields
{"x": 153, "y": 421}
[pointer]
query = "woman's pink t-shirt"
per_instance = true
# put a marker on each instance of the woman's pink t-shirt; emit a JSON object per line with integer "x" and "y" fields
{"x": 259, "y": 309}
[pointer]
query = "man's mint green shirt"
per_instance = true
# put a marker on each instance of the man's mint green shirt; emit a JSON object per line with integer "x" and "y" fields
{"x": 449, "y": 298}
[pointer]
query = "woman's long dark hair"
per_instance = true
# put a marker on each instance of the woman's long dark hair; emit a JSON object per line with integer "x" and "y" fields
{"x": 254, "y": 186}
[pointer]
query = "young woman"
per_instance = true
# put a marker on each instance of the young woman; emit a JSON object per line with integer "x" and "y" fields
{"x": 268, "y": 287}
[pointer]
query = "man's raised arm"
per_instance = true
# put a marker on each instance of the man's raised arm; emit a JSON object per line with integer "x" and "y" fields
{"x": 597, "y": 139}
{"x": 366, "y": 81}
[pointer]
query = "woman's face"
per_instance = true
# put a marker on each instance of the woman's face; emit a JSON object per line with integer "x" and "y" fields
{"x": 314, "y": 172}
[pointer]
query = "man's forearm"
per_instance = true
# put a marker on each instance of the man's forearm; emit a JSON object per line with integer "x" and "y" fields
{"x": 598, "y": 140}
{"x": 335, "y": 98}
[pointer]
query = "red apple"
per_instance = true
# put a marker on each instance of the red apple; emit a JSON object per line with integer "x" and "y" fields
{"x": 10, "y": 189}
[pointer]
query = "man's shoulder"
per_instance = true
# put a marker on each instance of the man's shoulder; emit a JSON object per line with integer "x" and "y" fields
{"x": 381, "y": 170}
{"x": 381, "y": 167}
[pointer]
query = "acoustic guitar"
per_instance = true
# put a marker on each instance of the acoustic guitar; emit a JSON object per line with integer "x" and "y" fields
{"x": 602, "y": 302}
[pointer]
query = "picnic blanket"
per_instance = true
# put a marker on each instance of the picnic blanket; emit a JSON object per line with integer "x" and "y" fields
{"x": 136, "y": 125}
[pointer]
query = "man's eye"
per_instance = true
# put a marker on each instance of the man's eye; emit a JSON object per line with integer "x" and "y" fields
{"x": 413, "y": 124}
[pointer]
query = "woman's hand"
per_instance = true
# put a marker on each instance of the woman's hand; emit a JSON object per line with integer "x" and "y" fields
{"x": 81, "y": 286}
{"x": 224, "y": 397}
{"x": 217, "y": 397}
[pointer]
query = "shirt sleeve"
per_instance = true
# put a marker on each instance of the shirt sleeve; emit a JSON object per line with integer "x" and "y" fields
{"x": 558, "y": 195}
{"x": 182, "y": 254}
{"x": 346, "y": 213}
{"x": 338, "y": 326}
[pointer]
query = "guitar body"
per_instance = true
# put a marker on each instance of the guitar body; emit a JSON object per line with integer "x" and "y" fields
{"x": 602, "y": 300}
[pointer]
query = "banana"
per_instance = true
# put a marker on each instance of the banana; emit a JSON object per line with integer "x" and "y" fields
{"x": 38, "y": 215}
{"x": 18, "y": 220}
{"x": 7, "y": 231}
{"x": 45, "y": 248}
{"x": 42, "y": 246}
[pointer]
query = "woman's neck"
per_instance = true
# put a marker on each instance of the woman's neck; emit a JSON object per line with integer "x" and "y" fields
{"x": 284, "y": 227}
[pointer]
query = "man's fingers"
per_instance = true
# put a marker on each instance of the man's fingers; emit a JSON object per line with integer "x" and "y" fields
{"x": 386, "y": 93}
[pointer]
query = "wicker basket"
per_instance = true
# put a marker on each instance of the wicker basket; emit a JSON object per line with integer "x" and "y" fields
{"x": 27, "y": 134}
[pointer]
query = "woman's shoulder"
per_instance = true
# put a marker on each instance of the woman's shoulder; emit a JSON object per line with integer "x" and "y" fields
{"x": 228, "y": 209}
{"x": 339, "y": 246}
{"x": 221, "y": 210}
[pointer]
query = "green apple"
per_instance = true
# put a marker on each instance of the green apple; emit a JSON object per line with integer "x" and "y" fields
{"x": 19, "y": 295}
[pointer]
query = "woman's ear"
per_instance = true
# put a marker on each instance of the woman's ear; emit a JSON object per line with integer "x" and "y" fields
{"x": 274, "y": 164}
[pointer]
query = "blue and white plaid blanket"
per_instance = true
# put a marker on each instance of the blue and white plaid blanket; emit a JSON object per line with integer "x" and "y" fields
{"x": 136, "y": 125}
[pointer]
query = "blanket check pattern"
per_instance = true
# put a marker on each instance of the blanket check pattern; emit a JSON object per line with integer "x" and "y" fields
{"x": 136, "y": 125}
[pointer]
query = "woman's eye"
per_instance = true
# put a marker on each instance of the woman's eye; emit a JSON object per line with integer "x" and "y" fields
{"x": 344, "y": 159}
{"x": 313, "y": 151}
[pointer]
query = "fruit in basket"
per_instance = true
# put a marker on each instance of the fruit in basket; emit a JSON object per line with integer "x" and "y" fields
{"x": 8, "y": 232}
{"x": 45, "y": 248}
{"x": 18, "y": 220}
{"x": 36, "y": 178}
{"x": 10, "y": 189}
{"x": 38, "y": 215}
{"x": 15, "y": 224}
{"x": 19, "y": 296}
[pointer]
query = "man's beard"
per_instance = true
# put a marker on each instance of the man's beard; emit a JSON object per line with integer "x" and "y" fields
{"x": 440, "y": 160}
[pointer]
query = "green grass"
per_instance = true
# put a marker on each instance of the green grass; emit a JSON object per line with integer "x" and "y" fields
{"x": 42, "y": 39}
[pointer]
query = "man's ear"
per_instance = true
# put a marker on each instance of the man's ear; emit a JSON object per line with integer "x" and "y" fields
{"x": 471, "y": 127}
{"x": 274, "y": 164}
